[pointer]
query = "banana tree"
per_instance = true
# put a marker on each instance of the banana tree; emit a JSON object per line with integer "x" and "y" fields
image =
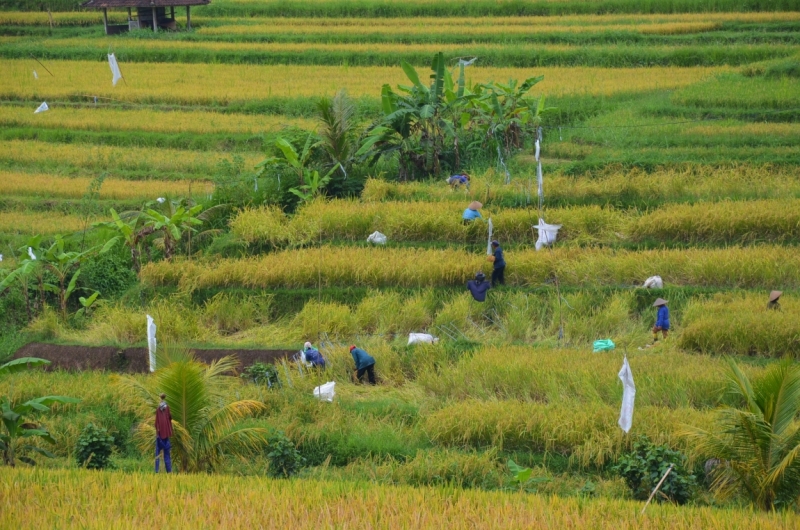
{"x": 131, "y": 231}
{"x": 418, "y": 122}
{"x": 65, "y": 266}
{"x": 180, "y": 219}
{"x": 312, "y": 183}
{"x": 16, "y": 427}
{"x": 503, "y": 113}
{"x": 24, "y": 275}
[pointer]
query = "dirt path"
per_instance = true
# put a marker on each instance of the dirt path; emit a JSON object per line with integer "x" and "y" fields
{"x": 130, "y": 360}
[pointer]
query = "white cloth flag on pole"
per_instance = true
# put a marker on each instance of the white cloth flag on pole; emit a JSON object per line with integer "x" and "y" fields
{"x": 31, "y": 254}
{"x": 151, "y": 342}
{"x": 35, "y": 75}
{"x": 43, "y": 107}
{"x": 547, "y": 234}
{"x": 489, "y": 244}
{"x": 628, "y": 395}
{"x": 538, "y": 149}
{"x": 112, "y": 62}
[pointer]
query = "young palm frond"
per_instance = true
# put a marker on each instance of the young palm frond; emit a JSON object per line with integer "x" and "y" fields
{"x": 205, "y": 423}
{"x": 337, "y": 126}
{"x": 758, "y": 446}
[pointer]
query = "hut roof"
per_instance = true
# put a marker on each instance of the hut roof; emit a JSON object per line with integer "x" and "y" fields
{"x": 99, "y": 4}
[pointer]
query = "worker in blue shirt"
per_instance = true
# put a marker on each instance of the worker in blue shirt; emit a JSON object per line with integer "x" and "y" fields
{"x": 662, "y": 319}
{"x": 499, "y": 270}
{"x": 313, "y": 356}
{"x": 472, "y": 213}
{"x": 478, "y": 287}
{"x": 365, "y": 363}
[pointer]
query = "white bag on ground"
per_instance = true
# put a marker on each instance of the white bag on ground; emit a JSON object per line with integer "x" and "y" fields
{"x": 117, "y": 75}
{"x": 377, "y": 238}
{"x": 41, "y": 108}
{"x": 325, "y": 392}
{"x": 421, "y": 338}
{"x": 628, "y": 396}
{"x": 547, "y": 234}
{"x": 653, "y": 282}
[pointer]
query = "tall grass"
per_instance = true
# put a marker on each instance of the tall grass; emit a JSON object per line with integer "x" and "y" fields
{"x": 33, "y": 223}
{"x": 741, "y": 325}
{"x": 417, "y": 221}
{"x": 224, "y": 84}
{"x": 244, "y": 502}
{"x": 762, "y": 267}
{"x": 612, "y": 185}
{"x": 49, "y": 185}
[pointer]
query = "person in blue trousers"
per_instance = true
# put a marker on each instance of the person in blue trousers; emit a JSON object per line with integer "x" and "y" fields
{"x": 365, "y": 363}
{"x": 163, "y": 433}
{"x": 662, "y": 319}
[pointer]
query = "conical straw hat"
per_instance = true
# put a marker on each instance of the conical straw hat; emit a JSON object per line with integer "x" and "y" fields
{"x": 774, "y": 295}
{"x": 475, "y": 205}
{"x": 659, "y": 301}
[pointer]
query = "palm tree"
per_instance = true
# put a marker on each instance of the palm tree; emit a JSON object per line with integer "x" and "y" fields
{"x": 758, "y": 445}
{"x": 206, "y": 424}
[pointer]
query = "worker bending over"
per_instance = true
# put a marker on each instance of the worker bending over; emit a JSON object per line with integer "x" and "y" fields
{"x": 662, "y": 319}
{"x": 365, "y": 363}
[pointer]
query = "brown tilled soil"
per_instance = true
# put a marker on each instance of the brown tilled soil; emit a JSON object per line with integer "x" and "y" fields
{"x": 130, "y": 360}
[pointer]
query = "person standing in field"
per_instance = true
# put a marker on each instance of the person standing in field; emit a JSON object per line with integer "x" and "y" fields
{"x": 773, "y": 303}
{"x": 365, "y": 363}
{"x": 478, "y": 287}
{"x": 662, "y": 319}
{"x": 498, "y": 273}
{"x": 163, "y": 433}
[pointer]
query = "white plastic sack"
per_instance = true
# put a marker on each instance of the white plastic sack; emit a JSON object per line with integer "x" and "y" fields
{"x": 547, "y": 234}
{"x": 35, "y": 75}
{"x": 41, "y": 108}
{"x": 653, "y": 282}
{"x": 421, "y": 338}
{"x": 151, "y": 342}
{"x": 325, "y": 392}
{"x": 628, "y": 395}
{"x": 377, "y": 238}
{"x": 117, "y": 75}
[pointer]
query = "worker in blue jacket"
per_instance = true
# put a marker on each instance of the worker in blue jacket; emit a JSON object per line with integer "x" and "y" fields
{"x": 662, "y": 319}
{"x": 365, "y": 363}
{"x": 498, "y": 272}
{"x": 478, "y": 287}
{"x": 472, "y": 212}
{"x": 313, "y": 356}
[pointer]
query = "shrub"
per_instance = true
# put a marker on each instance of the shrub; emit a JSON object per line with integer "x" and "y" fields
{"x": 284, "y": 458}
{"x": 262, "y": 374}
{"x": 94, "y": 447}
{"x": 647, "y": 463}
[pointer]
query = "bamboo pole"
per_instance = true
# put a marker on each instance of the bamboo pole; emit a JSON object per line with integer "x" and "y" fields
{"x": 660, "y": 482}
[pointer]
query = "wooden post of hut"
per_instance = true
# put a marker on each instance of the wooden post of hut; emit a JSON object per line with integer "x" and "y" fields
{"x": 152, "y": 13}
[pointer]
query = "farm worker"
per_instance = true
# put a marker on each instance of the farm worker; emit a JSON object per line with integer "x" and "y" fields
{"x": 364, "y": 363}
{"x": 499, "y": 264}
{"x": 163, "y": 433}
{"x": 456, "y": 181}
{"x": 773, "y": 303}
{"x": 472, "y": 213}
{"x": 478, "y": 287}
{"x": 662, "y": 319}
{"x": 313, "y": 355}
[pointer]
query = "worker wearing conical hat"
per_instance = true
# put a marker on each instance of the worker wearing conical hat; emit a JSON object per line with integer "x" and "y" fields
{"x": 662, "y": 319}
{"x": 773, "y": 303}
{"x": 472, "y": 212}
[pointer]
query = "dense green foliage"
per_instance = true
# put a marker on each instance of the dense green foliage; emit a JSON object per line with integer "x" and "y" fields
{"x": 94, "y": 447}
{"x": 647, "y": 463}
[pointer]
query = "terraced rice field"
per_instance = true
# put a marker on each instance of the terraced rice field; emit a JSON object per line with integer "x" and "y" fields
{"x": 671, "y": 150}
